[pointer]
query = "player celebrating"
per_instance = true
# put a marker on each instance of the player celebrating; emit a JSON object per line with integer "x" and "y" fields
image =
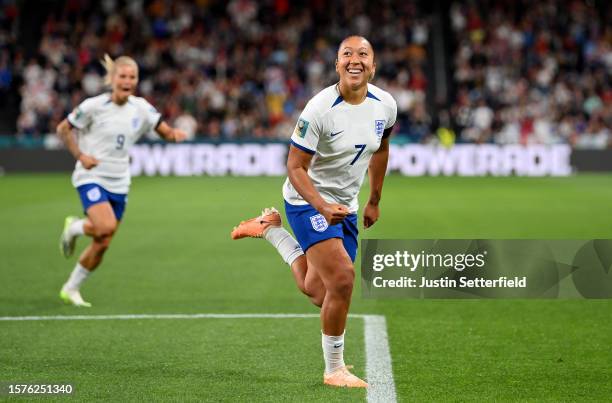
{"x": 342, "y": 132}
{"x": 107, "y": 126}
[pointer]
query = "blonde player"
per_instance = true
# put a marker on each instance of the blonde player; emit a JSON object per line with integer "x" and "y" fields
{"x": 106, "y": 126}
{"x": 342, "y": 133}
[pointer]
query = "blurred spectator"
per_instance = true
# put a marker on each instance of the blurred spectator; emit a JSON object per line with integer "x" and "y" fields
{"x": 223, "y": 70}
{"x": 533, "y": 72}
{"x": 595, "y": 136}
{"x": 522, "y": 72}
{"x": 188, "y": 124}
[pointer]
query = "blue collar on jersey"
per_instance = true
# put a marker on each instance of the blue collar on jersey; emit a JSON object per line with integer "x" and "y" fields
{"x": 340, "y": 99}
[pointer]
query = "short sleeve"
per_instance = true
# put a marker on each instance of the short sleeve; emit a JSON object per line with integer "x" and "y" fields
{"x": 80, "y": 117}
{"x": 152, "y": 117}
{"x": 307, "y": 130}
{"x": 392, "y": 114}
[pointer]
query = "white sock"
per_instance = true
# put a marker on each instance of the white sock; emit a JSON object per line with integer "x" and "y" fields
{"x": 284, "y": 243}
{"x": 77, "y": 277}
{"x": 333, "y": 352}
{"x": 77, "y": 228}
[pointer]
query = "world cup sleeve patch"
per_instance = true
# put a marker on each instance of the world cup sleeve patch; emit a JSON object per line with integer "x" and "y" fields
{"x": 301, "y": 128}
{"x": 319, "y": 223}
{"x": 94, "y": 194}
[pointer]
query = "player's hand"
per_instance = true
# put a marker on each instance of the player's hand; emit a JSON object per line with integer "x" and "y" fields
{"x": 178, "y": 135}
{"x": 334, "y": 213}
{"x": 371, "y": 213}
{"x": 88, "y": 161}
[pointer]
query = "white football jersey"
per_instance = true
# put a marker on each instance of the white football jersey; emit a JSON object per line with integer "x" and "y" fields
{"x": 342, "y": 138}
{"x": 106, "y": 131}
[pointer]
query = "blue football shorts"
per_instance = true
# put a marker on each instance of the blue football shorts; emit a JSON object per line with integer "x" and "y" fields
{"x": 310, "y": 227}
{"x": 92, "y": 193}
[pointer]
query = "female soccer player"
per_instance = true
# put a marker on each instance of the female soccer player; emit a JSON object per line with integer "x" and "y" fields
{"x": 342, "y": 132}
{"x": 107, "y": 126}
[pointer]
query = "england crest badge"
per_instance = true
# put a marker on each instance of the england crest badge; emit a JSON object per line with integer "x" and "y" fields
{"x": 379, "y": 128}
{"x": 319, "y": 223}
{"x": 94, "y": 194}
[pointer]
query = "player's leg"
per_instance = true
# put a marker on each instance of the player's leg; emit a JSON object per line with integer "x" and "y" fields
{"x": 313, "y": 285}
{"x": 104, "y": 210}
{"x": 268, "y": 225}
{"x": 73, "y": 228}
{"x": 90, "y": 194}
{"x": 104, "y": 224}
{"x": 308, "y": 281}
{"x": 335, "y": 269}
{"x": 336, "y": 273}
{"x": 306, "y": 276}
{"x": 332, "y": 263}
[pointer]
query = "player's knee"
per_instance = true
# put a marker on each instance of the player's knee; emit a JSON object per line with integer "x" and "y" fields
{"x": 317, "y": 300}
{"x": 343, "y": 281}
{"x": 316, "y": 295}
{"x": 101, "y": 244}
{"x": 105, "y": 230}
{"x": 103, "y": 238}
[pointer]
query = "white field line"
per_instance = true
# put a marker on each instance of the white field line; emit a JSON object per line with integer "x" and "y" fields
{"x": 379, "y": 372}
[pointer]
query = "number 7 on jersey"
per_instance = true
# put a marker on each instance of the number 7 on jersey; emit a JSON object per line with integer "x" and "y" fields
{"x": 360, "y": 147}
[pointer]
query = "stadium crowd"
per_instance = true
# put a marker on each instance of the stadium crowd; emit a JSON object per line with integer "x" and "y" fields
{"x": 521, "y": 72}
{"x": 533, "y": 72}
{"x": 219, "y": 69}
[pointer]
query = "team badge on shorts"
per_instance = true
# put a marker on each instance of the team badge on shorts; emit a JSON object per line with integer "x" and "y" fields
{"x": 379, "y": 127}
{"x": 319, "y": 223}
{"x": 94, "y": 194}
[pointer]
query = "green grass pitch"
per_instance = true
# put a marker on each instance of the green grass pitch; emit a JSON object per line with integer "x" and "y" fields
{"x": 173, "y": 254}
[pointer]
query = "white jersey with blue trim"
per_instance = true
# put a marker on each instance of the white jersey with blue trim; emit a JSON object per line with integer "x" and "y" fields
{"x": 342, "y": 138}
{"x": 106, "y": 131}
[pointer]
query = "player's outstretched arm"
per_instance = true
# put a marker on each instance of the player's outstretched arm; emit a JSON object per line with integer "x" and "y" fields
{"x": 170, "y": 133}
{"x": 298, "y": 162}
{"x": 376, "y": 174}
{"x": 64, "y": 131}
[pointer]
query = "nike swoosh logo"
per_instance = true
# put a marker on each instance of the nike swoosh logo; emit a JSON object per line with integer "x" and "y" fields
{"x": 337, "y": 133}
{"x": 338, "y": 345}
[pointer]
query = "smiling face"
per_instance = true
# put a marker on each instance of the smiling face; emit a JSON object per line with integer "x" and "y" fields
{"x": 124, "y": 82}
{"x": 355, "y": 63}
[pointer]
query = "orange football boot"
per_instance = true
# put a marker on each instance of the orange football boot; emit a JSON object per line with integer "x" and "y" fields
{"x": 255, "y": 227}
{"x": 343, "y": 378}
